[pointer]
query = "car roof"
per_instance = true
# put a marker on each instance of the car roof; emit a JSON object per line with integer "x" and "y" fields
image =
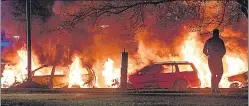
{"x": 172, "y": 62}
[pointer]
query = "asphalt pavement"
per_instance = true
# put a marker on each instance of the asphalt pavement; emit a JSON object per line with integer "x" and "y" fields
{"x": 113, "y": 97}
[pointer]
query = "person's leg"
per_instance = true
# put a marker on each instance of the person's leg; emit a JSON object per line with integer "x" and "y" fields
{"x": 213, "y": 75}
{"x": 219, "y": 75}
{"x": 216, "y": 84}
{"x": 213, "y": 81}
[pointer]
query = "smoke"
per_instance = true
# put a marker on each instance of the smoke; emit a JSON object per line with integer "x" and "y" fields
{"x": 57, "y": 7}
{"x": 94, "y": 45}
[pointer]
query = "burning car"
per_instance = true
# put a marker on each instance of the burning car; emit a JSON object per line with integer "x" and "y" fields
{"x": 178, "y": 75}
{"x": 239, "y": 81}
{"x": 60, "y": 79}
{"x": 42, "y": 76}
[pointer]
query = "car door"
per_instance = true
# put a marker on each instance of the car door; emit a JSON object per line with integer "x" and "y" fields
{"x": 146, "y": 77}
{"x": 189, "y": 73}
{"x": 166, "y": 75}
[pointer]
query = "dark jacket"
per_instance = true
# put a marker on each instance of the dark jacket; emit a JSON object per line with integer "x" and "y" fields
{"x": 214, "y": 47}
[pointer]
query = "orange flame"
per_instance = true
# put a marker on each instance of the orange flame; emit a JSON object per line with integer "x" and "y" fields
{"x": 192, "y": 51}
{"x": 111, "y": 74}
{"x": 76, "y": 74}
{"x": 18, "y": 72}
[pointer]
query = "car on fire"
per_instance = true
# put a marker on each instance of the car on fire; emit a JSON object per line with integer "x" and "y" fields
{"x": 60, "y": 80}
{"x": 239, "y": 80}
{"x": 178, "y": 75}
{"x": 42, "y": 77}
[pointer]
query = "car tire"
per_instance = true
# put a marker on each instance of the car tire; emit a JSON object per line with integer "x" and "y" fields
{"x": 129, "y": 86}
{"x": 181, "y": 85}
{"x": 236, "y": 84}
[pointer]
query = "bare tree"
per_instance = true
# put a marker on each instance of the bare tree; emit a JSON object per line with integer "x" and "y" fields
{"x": 243, "y": 6}
{"x": 42, "y": 9}
{"x": 135, "y": 10}
{"x": 168, "y": 12}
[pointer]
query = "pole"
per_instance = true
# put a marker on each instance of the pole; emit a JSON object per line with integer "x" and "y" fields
{"x": 124, "y": 66}
{"x": 28, "y": 6}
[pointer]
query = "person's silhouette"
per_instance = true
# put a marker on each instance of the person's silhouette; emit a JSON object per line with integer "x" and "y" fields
{"x": 215, "y": 49}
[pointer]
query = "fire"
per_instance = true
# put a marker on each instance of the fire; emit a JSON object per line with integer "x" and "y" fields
{"x": 8, "y": 77}
{"x": 192, "y": 51}
{"x": 76, "y": 74}
{"x": 235, "y": 65}
{"x": 18, "y": 72}
{"x": 111, "y": 74}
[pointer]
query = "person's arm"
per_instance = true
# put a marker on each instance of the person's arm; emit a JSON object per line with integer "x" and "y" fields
{"x": 223, "y": 48}
{"x": 205, "y": 49}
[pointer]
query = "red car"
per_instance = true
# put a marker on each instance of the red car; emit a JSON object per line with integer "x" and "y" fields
{"x": 178, "y": 75}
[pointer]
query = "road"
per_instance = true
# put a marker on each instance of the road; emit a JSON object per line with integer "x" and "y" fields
{"x": 113, "y": 98}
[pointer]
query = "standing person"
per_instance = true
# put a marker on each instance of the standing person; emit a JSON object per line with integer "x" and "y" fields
{"x": 215, "y": 49}
{"x": 58, "y": 56}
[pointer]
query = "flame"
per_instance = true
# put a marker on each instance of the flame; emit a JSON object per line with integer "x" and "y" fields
{"x": 192, "y": 51}
{"x": 8, "y": 77}
{"x": 235, "y": 65}
{"x": 18, "y": 72}
{"x": 76, "y": 74}
{"x": 111, "y": 74}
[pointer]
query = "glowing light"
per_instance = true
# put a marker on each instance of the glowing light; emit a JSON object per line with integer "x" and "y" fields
{"x": 18, "y": 72}
{"x": 76, "y": 74}
{"x": 111, "y": 74}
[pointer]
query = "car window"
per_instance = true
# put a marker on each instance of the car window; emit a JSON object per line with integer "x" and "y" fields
{"x": 149, "y": 70}
{"x": 168, "y": 69}
{"x": 185, "y": 68}
{"x": 47, "y": 71}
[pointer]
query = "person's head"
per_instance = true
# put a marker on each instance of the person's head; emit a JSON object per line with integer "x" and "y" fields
{"x": 216, "y": 33}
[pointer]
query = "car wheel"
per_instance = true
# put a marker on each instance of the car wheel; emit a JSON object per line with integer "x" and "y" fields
{"x": 236, "y": 84}
{"x": 129, "y": 86}
{"x": 181, "y": 85}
